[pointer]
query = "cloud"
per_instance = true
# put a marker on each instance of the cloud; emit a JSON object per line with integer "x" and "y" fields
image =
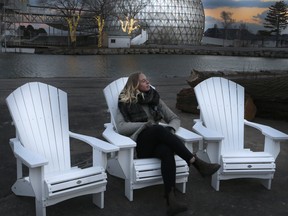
{"x": 210, "y": 22}
{"x": 211, "y": 4}
{"x": 250, "y": 12}
{"x": 260, "y": 18}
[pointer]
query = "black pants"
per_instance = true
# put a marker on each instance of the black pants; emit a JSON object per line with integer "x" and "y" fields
{"x": 157, "y": 141}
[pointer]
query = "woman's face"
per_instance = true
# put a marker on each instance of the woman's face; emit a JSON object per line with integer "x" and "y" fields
{"x": 144, "y": 84}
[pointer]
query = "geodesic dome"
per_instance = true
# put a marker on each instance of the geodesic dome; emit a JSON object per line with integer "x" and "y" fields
{"x": 179, "y": 22}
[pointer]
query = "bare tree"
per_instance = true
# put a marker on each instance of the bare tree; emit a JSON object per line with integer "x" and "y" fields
{"x": 101, "y": 9}
{"x": 71, "y": 10}
{"x": 128, "y": 9}
{"x": 242, "y": 30}
{"x": 227, "y": 21}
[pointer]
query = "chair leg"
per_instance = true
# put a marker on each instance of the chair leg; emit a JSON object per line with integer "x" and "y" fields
{"x": 40, "y": 208}
{"x": 266, "y": 183}
{"x": 215, "y": 182}
{"x": 128, "y": 190}
{"x": 181, "y": 187}
{"x": 98, "y": 199}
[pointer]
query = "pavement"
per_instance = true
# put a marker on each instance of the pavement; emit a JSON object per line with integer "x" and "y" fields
{"x": 88, "y": 113}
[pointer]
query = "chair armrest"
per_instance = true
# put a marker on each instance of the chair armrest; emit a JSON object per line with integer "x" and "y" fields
{"x": 187, "y": 135}
{"x": 268, "y": 131}
{"x": 207, "y": 133}
{"x": 27, "y": 157}
{"x": 95, "y": 143}
{"x": 117, "y": 139}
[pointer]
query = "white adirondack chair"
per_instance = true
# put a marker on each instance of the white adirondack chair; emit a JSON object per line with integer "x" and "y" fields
{"x": 139, "y": 173}
{"x": 42, "y": 143}
{"x": 221, "y": 124}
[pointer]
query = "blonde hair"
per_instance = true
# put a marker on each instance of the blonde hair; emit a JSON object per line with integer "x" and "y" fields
{"x": 130, "y": 91}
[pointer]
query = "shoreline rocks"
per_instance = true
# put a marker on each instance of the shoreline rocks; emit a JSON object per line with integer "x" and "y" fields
{"x": 169, "y": 50}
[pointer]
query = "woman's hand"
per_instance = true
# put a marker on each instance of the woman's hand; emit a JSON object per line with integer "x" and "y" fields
{"x": 170, "y": 129}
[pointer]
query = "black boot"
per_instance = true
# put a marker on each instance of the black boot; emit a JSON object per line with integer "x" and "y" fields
{"x": 204, "y": 168}
{"x": 174, "y": 207}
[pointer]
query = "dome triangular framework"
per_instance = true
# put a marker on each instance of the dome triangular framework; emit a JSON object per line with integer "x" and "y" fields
{"x": 169, "y": 21}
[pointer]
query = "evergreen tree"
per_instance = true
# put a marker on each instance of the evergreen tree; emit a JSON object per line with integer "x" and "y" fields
{"x": 277, "y": 18}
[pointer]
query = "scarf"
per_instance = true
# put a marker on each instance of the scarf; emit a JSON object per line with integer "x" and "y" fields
{"x": 134, "y": 112}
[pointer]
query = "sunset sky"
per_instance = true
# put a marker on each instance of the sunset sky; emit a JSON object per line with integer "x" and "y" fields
{"x": 250, "y": 12}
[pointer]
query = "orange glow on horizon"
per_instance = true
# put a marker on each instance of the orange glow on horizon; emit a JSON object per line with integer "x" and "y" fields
{"x": 242, "y": 14}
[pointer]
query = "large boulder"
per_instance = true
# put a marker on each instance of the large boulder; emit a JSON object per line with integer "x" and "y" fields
{"x": 266, "y": 92}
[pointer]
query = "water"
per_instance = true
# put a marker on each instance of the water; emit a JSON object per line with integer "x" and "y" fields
{"x": 32, "y": 65}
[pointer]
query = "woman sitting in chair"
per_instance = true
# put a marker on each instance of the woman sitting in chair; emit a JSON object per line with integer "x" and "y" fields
{"x": 141, "y": 109}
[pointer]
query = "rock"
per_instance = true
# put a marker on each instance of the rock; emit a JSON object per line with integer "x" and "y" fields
{"x": 187, "y": 102}
{"x": 250, "y": 108}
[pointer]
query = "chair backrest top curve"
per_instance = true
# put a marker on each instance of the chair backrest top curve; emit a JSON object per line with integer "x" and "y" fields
{"x": 221, "y": 102}
{"x": 111, "y": 93}
{"x": 40, "y": 115}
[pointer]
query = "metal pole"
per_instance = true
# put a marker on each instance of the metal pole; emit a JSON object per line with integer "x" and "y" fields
{"x": 5, "y": 46}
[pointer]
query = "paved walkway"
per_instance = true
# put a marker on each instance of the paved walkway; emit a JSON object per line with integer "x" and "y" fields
{"x": 88, "y": 113}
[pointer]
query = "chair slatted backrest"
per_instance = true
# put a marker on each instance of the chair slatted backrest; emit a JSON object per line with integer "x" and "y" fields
{"x": 40, "y": 115}
{"x": 111, "y": 93}
{"x": 221, "y": 104}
